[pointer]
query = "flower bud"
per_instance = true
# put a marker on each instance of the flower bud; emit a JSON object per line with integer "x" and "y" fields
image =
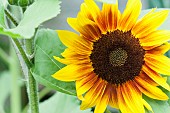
{"x": 22, "y": 3}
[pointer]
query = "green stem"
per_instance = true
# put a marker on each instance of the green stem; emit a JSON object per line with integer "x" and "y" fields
{"x": 22, "y": 52}
{"x": 15, "y": 87}
{"x": 32, "y": 93}
{"x": 4, "y": 56}
{"x": 42, "y": 93}
{"x": 32, "y": 84}
{"x": 11, "y": 17}
{"x": 16, "y": 41}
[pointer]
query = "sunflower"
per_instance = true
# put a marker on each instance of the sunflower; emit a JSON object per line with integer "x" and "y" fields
{"x": 117, "y": 57}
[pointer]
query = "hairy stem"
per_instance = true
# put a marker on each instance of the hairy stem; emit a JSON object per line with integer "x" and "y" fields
{"x": 10, "y": 16}
{"x": 22, "y": 52}
{"x": 16, "y": 41}
{"x": 31, "y": 82}
{"x": 42, "y": 93}
{"x": 32, "y": 86}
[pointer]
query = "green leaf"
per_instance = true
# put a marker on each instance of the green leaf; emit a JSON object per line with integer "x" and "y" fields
{"x": 48, "y": 45}
{"x": 2, "y": 21}
{"x": 4, "y": 81}
{"x": 157, "y": 106}
{"x": 166, "y": 3}
{"x": 62, "y": 103}
{"x": 37, "y": 13}
{"x": 156, "y": 3}
{"x": 166, "y": 91}
{"x": 165, "y": 25}
{"x": 3, "y": 29}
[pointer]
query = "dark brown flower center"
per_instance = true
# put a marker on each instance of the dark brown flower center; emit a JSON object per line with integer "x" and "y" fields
{"x": 117, "y": 57}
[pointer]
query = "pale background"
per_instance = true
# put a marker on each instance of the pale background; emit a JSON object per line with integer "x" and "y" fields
{"x": 69, "y": 8}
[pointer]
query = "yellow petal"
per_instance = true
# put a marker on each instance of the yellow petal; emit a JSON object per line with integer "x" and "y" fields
{"x": 157, "y": 37}
{"x": 88, "y": 28}
{"x": 84, "y": 10}
{"x": 160, "y": 50}
{"x": 73, "y": 72}
{"x": 93, "y": 8}
{"x": 147, "y": 48}
{"x": 93, "y": 95}
{"x": 150, "y": 90}
{"x": 121, "y": 101}
{"x": 147, "y": 105}
{"x": 132, "y": 97}
{"x": 101, "y": 23}
{"x": 107, "y": 21}
{"x": 74, "y": 41}
{"x": 103, "y": 102}
{"x": 130, "y": 15}
{"x": 61, "y": 60}
{"x": 158, "y": 63}
{"x": 73, "y": 23}
{"x": 70, "y": 53}
{"x": 107, "y": 15}
{"x": 145, "y": 77}
{"x": 149, "y": 23}
{"x": 72, "y": 57}
{"x": 156, "y": 77}
{"x": 84, "y": 84}
{"x": 73, "y": 60}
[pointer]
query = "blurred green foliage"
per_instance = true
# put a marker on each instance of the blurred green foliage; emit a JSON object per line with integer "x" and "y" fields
{"x": 159, "y": 3}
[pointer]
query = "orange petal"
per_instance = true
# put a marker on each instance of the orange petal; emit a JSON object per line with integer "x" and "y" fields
{"x": 130, "y": 15}
{"x": 121, "y": 101}
{"x": 158, "y": 63}
{"x": 160, "y": 50}
{"x": 150, "y": 90}
{"x": 113, "y": 99}
{"x": 149, "y": 23}
{"x": 84, "y": 84}
{"x": 74, "y": 41}
{"x": 147, "y": 48}
{"x": 157, "y": 37}
{"x": 93, "y": 95}
{"x": 88, "y": 28}
{"x": 145, "y": 77}
{"x": 132, "y": 97}
{"x": 101, "y": 23}
{"x": 103, "y": 102}
{"x": 107, "y": 21}
{"x": 156, "y": 77}
{"x": 78, "y": 61}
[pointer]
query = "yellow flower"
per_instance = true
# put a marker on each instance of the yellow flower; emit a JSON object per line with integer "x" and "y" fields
{"x": 116, "y": 57}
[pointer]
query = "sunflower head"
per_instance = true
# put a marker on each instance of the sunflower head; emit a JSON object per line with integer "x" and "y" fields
{"x": 116, "y": 58}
